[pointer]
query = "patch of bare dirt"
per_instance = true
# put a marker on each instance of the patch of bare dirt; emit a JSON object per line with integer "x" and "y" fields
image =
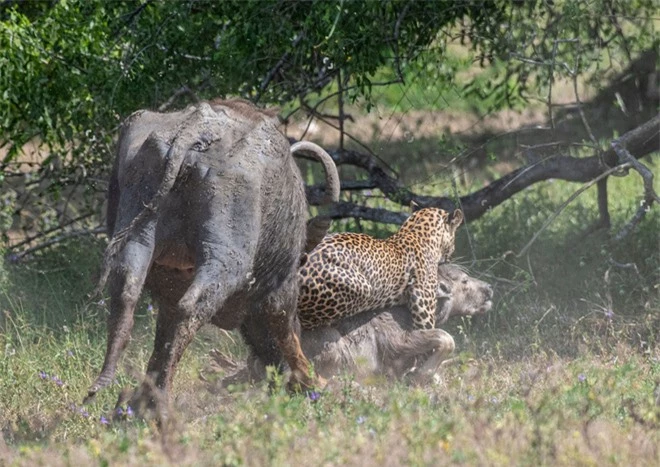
{"x": 384, "y": 128}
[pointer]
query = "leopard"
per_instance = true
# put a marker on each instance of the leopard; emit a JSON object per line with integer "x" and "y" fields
{"x": 349, "y": 273}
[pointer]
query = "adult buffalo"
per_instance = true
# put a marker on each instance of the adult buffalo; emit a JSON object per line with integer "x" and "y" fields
{"x": 207, "y": 210}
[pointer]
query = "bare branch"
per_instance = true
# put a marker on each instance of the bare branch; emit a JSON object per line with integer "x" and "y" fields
{"x": 551, "y": 82}
{"x": 640, "y": 142}
{"x": 643, "y": 208}
{"x": 61, "y": 226}
{"x": 58, "y": 239}
{"x": 397, "y": 33}
{"x": 580, "y": 106}
{"x": 343, "y": 210}
{"x": 647, "y": 176}
{"x": 131, "y": 16}
{"x": 316, "y": 193}
{"x": 178, "y": 93}
{"x": 332, "y": 95}
{"x": 351, "y": 137}
{"x": 570, "y": 199}
{"x": 650, "y": 196}
{"x": 603, "y": 221}
{"x": 340, "y": 104}
{"x": 273, "y": 71}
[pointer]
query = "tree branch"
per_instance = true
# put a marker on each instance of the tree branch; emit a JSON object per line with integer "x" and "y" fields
{"x": 639, "y": 142}
{"x": 178, "y": 93}
{"x": 563, "y": 206}
{"x": 650, "y": 196}
{"x": 397, "y": 34}
{"x": 61, "y": 226}
{"x": 273, "y": 71}
{"x": 343, "y": 210}
{"x": 54, "y": 240}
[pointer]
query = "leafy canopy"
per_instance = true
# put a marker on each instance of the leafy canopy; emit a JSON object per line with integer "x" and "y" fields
{"x": 71, "y": 70}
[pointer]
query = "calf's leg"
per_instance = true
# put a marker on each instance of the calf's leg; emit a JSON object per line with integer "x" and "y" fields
{"x": 443, "y": 347}
{"x": 409, "y": 346}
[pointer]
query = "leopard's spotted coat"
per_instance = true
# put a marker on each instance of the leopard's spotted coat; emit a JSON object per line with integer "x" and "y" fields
{"x": 349, "y": 273}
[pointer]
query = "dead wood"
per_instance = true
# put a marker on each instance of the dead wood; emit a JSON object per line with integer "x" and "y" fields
{"x": 638, "y": 143}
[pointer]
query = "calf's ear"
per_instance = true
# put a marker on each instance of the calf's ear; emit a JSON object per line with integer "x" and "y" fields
{"x": 455, "y": 219}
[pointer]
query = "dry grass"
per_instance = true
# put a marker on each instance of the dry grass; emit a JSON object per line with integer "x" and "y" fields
{"x": 541, "y": 409}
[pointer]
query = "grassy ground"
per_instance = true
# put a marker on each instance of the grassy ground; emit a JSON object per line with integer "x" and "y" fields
{"x": 564, "y": 370}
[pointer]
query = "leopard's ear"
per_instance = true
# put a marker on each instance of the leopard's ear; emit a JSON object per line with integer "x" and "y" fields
{"x": 414, "y": 206}
{"x": 455, "y": 219}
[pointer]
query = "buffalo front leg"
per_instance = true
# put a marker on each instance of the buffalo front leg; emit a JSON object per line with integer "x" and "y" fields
{"x": 126, "y": 279}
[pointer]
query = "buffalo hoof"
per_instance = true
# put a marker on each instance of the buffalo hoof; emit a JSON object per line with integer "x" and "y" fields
{"x": 147, "y": 403}
{"x": 301, "y": 382}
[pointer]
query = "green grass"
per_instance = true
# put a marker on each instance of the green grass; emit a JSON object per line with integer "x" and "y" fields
{"x": 562, "y": 370}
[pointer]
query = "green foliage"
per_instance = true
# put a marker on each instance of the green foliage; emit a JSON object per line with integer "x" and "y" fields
{"x": 71, "y": 70}
{"x": 53, "y": 73}
{"x": 75, "y": 67}
{"x": 544, "y": 42}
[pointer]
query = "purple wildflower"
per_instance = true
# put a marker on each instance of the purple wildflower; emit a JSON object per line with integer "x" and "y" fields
{"x": 119, "y": 411}
{"x": 314, "y": 396}
{"x": 13, "y": 258}
{"x": 129, "y": 411}
{"x": 582, "y": 378}
{"x": 69, "y": 353}
{"x": 101, "y": 302}
{"x": 104, "y": 421}
{"x": 57, "y": 380}
{"x": 609, "y": 314}
{"x": 80, "y": 410}
{"x": 150, "y": 308}
{"x": 360, "y": 420}
{"x": 43, "y": 375}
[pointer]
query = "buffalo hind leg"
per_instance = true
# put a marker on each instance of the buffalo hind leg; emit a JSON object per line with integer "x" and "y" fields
{"x": 285, "y": 328}
{"x": 174, "y": 331}
{"x": 126, "y": 280}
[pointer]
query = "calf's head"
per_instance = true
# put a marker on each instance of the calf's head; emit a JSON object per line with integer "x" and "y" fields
{"x": 461, "y": 294}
